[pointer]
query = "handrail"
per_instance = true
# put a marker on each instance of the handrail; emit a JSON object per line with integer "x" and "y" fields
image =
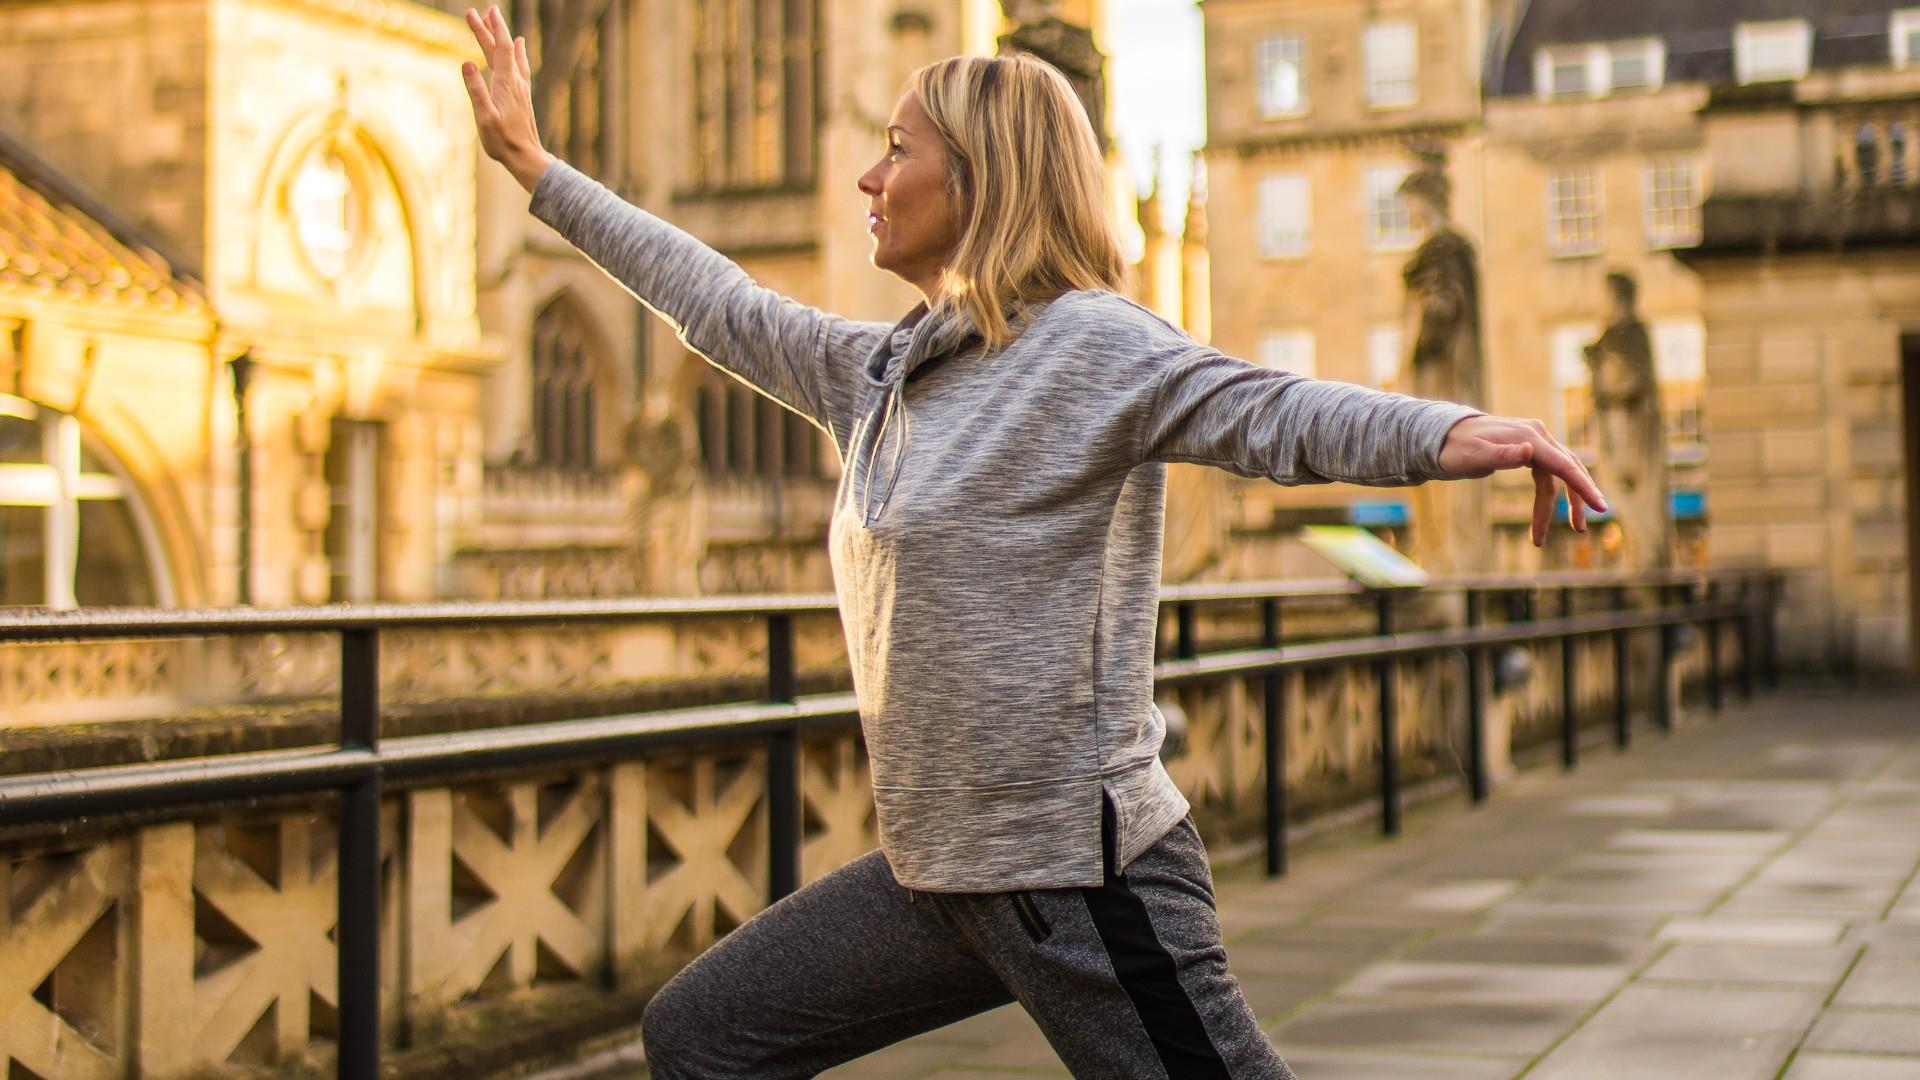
{"x": 362, "y": 763}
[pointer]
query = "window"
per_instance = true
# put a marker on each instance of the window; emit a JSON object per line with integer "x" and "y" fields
{"x": 753, "y": 93}
{"x": 71, "y": 530}
{"x": 1598, "y": 69}
{"x": 1680, "y": 361}
{"x": 1286, "y": 215}
{"x": 1288, "y": 350}
{"x": 1384, "y": 344}
{"x": 1389, "y": 228}
{"x": 1904, "y": 35}
{"x": 1572, "y": 404}
{"x": 1772, "y": 51}
{"x": 1573, "y": 212}
{"x": 353, "y": 526}
{"x": 1393, "y": 64}
{"x": 745, "y": 435}
{"x": 1673, "y": 204}
{"x": 572, "y": 90}
{"x": 564, "y": 416}
{"x": 1280, "y": 68}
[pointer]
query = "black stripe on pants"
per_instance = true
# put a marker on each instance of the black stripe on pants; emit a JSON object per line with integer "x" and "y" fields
{"x": 1147, "y": 971}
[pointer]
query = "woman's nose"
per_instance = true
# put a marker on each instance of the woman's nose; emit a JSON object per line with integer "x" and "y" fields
{"x": 869, "y": 183}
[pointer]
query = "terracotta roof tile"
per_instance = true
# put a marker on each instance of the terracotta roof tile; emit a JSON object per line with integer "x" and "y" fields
{"x": 54, "y": 240}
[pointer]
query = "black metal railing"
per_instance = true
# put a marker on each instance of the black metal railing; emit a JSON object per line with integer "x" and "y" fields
{"x": 363, "y": 764}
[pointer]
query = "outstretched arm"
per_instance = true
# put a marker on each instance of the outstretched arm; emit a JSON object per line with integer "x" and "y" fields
{"x": 1213, "y": 409}
{"x": 788, "y": 350}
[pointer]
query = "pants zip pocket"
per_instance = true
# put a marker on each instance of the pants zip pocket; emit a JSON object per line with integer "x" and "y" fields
{"x": 1030, "y": 917}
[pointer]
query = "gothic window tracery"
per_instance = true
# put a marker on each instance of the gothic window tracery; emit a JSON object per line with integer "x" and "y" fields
{"x": 564, "y": 397}
{"x": 753, "y": 81}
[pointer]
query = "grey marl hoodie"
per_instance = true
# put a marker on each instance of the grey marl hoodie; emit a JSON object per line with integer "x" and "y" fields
{"x": 996, "y": 536}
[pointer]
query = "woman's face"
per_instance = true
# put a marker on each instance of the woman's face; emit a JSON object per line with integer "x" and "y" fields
{"x": 911, "y": 214}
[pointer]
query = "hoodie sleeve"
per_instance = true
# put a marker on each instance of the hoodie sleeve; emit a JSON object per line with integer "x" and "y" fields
{"x": 1212, "y": 409}
{"x": 800, "y": 356}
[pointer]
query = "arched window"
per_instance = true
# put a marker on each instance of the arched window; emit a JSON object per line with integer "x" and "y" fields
{"x": 71, "y": 530}
{"x": 753, "y": 87}
{"x": 747, "y": 435}
{"x": 563, "y": 391}
{"x": 572, "y": 44}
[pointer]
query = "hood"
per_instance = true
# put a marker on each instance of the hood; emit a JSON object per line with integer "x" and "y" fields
{"x": 920, "y": 337}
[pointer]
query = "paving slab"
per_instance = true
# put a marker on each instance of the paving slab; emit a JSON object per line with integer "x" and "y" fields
{"x": 1814, "y": 1066}
{"x": 1882, "y": 980}
{"x": 1702, "y": 1011}
{"x": 1448, "y": 1027}
{"x": 1757, "y": 929}
{"x": 1691, "y": 962}
{"x": 1867, "y": 1031}
{"x": 1616, "y": 1053}
{"x": 1357, "y": 1065}
{"x": 1518, "y": 983}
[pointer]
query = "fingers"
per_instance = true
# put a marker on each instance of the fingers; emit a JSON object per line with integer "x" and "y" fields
{"x": 481, "y": 34}
{"x": 502, "y": 35}
{"x": 483, "y": 111}
{"x": 1543, "y": 490}
{"x": 520, "y": 58}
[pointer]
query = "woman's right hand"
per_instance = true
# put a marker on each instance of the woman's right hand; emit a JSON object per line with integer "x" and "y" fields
{"x": 503, "y": 98}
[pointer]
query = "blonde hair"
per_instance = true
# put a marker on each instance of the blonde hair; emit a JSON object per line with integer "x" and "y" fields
{"x": 1027, "y": 175}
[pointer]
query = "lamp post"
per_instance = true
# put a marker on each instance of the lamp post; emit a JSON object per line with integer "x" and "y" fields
{"x": 241, "y": 367}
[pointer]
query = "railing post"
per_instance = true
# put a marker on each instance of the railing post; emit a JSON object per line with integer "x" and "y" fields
{"x": 783, "y": 766}
{"x": 1384, "y": 670}
{"x": 1185, "y": 644}
{"x": 1274, "y": 692}
{"x": 1769, "y": 612}
{"x": 1715, "y": 699}
{"x": 1476, "y": 704}
{"x": 1622, "y": 677}
{"x": 1664, "y": 705}
{"x": 1743, "y": 628}
{"x": 357, "y": 926}
{"x": 1569, "y": 713}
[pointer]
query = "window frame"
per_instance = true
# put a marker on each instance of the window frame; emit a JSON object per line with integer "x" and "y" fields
{"x": 1370, "y": 58}
{"x": 1303, "y": 103}
{"x": 1557, "y": 244}
{"x": 1597, "y": 58}
{"x": 1668, "y": 238}
{"x": 1902, "y": 25}
{"x": 1301, "y": 233}
{"x": 1402, "y": 238}
{"x": 1746, "y": 35}
{"x": 1295, "y": 336}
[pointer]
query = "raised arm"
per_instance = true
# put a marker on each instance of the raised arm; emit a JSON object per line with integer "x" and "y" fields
{"x": 792, "y": 352}
{"x": 1213, "y": 409}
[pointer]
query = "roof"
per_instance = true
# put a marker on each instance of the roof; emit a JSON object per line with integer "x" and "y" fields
{"x": 1698, "y": 33}
{"x": 56, "y": 240}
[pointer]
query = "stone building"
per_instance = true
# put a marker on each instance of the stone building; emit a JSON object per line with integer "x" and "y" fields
{"x": 442, "y": 398}
{"x": 1316, "y": 115}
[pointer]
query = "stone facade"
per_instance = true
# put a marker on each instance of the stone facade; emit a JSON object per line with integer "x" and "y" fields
{"x": 1373, "y": 85}
{"x": 1810, "y": 268}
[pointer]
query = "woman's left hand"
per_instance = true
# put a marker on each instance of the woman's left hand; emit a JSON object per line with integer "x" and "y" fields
{"x": 1482, "y": 445}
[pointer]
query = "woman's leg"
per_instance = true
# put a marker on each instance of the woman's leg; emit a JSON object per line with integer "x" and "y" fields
{"x": 1129, "y": 980}
{"x": 843, "y": 967}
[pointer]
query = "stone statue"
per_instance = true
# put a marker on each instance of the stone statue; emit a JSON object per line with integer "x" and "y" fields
{"x": 1453, "y": 534}
{"x": 1443, "y": 292}
{"x": 1631, "y": 441}
{"x": 1039, "y": 30}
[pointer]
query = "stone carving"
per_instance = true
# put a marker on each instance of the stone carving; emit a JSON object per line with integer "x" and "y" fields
{"x": 1630, "y": 439}
{"x": 1443, "y": 309}
{"x": 1443, "y": 292}
{"x": 1038, "y": 29}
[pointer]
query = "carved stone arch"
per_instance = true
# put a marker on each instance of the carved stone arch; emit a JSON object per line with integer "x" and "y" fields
{"x": 382, "y": 207}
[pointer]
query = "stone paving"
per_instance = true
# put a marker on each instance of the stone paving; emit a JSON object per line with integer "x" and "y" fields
{"x": 1737, "y": 900}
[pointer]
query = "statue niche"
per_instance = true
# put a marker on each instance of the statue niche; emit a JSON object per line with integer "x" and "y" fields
{"x": 1039, "y": 30}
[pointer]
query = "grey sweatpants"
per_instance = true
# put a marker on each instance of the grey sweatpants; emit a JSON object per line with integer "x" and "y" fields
{"x": 1127, "y": 980}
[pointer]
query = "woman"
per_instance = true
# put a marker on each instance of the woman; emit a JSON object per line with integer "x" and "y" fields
{"x": 996, "y": 550}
